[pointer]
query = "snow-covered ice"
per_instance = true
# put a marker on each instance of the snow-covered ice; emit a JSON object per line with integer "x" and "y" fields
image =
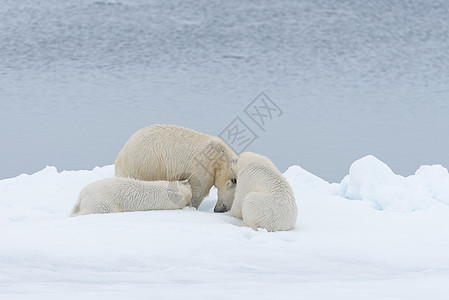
{"x": 372, "y": 180}
{"x": 376, "y": 235}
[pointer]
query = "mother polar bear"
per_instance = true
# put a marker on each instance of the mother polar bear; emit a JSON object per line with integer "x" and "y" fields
{"x": 169, "y": 152}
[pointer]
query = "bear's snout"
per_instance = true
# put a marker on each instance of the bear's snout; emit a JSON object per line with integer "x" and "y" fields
{"x": 220, "y": 209}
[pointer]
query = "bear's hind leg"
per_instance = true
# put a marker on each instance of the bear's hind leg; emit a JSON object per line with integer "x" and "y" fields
{"x": 252, "y": 210}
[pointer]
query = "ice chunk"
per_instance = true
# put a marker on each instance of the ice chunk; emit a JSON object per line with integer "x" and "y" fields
{"x": 372, "y": 180}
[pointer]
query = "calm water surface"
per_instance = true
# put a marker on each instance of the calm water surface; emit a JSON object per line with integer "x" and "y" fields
{"x": 352, "y": 78}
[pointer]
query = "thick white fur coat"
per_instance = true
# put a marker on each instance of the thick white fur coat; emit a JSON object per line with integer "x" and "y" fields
{"x": 168, "y": 152}
{"x": 124, "y": 195}
{"x": 263, "y": 197}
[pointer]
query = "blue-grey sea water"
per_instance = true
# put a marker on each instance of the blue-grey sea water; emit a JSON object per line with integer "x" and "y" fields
{"x": 351, "y": 78}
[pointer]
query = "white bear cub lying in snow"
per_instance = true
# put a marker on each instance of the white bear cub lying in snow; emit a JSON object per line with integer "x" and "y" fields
{"x": 125, "y": 194}
{"x": 263, "y": 197}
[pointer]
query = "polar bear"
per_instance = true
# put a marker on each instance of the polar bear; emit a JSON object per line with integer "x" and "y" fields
{"x": 112, "y": 195}
{"x": 263, "y": 197}
{"x": 169, "y": 152}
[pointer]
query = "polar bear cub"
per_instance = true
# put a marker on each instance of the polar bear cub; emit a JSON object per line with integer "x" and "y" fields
{"x": 263, "y": 197}
{"x": 125, "y": 194}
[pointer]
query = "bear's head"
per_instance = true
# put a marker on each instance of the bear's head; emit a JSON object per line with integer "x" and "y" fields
{"x": 219, "y": 158}
{"x": 226, "y": 196}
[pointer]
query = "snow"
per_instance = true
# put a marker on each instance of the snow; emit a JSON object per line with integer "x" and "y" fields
{"x": 372, "y": 180}
{"x": 376, "y": 235}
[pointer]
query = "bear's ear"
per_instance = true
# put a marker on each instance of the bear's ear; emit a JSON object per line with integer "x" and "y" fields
{"x": 230, "y": 183}
{"x": 213, "y": 149}
{"x": 212, "y": 143}
{"x": 234, "y": 160}
{"x": 220, "y": 148}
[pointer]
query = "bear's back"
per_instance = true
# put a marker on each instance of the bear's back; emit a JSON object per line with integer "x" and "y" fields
{"x": 153, "y": 152}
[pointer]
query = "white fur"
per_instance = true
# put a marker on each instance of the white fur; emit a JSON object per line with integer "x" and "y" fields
{"x": 263, "y": 197}
{"x": 124, "y": 194}
{"x": 168, "y": 152}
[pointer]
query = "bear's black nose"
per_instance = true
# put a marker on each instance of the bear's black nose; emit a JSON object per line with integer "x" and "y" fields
{"x": 219, "y": 209}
